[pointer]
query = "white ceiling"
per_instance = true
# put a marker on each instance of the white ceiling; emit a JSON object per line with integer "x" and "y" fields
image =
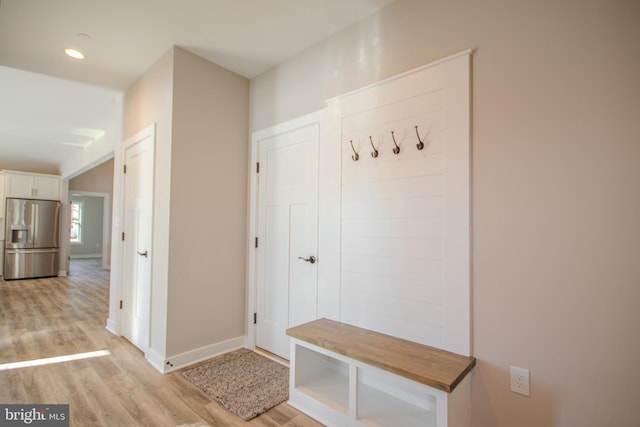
{"x": 43, "y": 119}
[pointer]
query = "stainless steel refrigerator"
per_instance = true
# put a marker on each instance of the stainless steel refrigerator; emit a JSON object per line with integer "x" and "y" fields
{"x": 31, "y": 238}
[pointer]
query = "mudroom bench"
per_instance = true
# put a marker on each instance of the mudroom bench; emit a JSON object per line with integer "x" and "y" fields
{"x": 343, "y": 375}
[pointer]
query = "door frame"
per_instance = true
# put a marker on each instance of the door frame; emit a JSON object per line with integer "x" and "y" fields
{"x": 106, "y": 223}
{"x": 116, "y": 290}
{"x": 311, "y": 119}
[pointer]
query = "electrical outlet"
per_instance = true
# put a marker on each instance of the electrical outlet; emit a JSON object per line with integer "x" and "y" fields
{"x": 519, "y": 380}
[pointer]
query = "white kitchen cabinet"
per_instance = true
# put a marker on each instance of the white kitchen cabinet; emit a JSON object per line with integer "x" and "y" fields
{"x": 46, "y": 187}
{"x": 31, "y": 185}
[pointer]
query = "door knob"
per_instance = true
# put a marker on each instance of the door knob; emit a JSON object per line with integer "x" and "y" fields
{"x": 144, "y": 254}
{"x": 310, "y": 260}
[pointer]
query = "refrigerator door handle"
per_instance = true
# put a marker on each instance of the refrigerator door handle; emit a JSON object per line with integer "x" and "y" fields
{"x": 31, "y": 234}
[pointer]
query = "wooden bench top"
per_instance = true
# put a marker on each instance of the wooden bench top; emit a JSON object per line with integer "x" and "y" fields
{"x": 427, "y": 365}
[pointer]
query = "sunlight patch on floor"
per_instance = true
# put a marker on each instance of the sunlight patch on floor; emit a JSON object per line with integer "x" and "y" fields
{"x": 50, "y": 360}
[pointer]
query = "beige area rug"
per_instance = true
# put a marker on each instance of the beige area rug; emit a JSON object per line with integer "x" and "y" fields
{"x": 242, "y": 381}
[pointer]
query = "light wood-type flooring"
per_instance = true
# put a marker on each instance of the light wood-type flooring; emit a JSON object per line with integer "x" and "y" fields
{"x": 43, "y": 318}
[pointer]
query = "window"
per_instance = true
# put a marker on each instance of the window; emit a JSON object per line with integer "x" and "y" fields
{"x": 77, "y": 214}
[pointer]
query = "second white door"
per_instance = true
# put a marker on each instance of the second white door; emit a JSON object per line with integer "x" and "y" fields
{"x": 137, "y": 223}
{"x": 287, "y": 278}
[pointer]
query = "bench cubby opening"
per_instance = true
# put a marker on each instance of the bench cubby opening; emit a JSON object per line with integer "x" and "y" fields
{"x": 348, "y": 376}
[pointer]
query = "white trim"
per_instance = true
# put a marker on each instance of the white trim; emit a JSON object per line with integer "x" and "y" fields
{"x": 156, "y": 360}
{"x": 182, "y": 360}
{"x": 97, "y": 162}
{"x": 112, "y": 327}
{"x": 288, "y": 126}
{"x": 148, "y": 132}
{"x": 65, "y": 222}
{"x": 85, "y": 256}
{"x": 115, "y": 290}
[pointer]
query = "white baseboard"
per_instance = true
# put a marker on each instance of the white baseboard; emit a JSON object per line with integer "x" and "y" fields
{"x": 112, "y": 326}
{"x": 81, "y": 256}
{"x": 182, "y": 360}
{"x": 62, "y": 273}
{"x": 156, "y": 360}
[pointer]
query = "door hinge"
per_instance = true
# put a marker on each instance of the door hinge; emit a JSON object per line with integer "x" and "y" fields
{"x": 258, "y": 167}
{"x": 255, "y": 318}
{"x": 256, "y": 242}
{"x": 120, "y": 304}
{"x": 124, "y": 169}
{"x": 123, "y": 236}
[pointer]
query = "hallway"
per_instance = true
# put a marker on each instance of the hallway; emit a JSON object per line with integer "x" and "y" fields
{"x": 44, "y": 318}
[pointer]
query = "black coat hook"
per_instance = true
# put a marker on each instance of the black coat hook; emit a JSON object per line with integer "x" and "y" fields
{"x": 396, "y": 150}
{"x": 420, "y": 144}
{"x": 355, "y": 156}
{"x": 374, "y": 153}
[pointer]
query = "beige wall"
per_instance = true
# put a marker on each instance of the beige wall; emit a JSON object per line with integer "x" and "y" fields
{"x": 147, "y": 102}
{"x": 208, "y": 204}
{"x": 556, "y": 125}
{"x": 200, "y": 111}
{"x": 98, "y": 179}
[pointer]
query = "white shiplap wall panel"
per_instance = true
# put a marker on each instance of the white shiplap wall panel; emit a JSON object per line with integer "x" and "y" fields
{"x": 395, "y": 168}
{"x": 421, "y": 289}
{"x": 392, "y": 268}
{"x": 412, "y": 331}
{"x": 409, "y": 248}
{"x": 428, "y": 228}
{"x": 418, "y": 312}
{"x": 400, "y": 188}
{"x": 425, "y": 104}
{"x": 405, "y": 220}
{"x": 417, "y": 207}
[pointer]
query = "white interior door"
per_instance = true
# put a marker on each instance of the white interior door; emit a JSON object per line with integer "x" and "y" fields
{"x": 287, "y": 278}
{"x": 137, "y": 223}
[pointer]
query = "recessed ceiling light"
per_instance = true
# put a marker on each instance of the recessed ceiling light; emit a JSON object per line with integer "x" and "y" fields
{"x": 74, "y": 53}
